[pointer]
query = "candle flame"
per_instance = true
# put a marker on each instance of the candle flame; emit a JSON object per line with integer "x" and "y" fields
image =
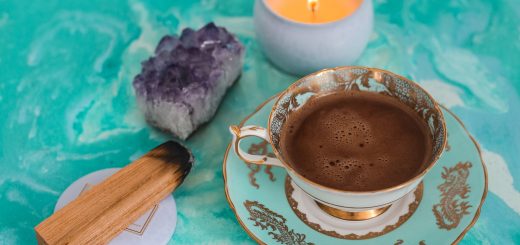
{"x": 313, "y": 5}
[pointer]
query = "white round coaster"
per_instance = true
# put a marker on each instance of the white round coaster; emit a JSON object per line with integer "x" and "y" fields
{"x": 156, "y": 226}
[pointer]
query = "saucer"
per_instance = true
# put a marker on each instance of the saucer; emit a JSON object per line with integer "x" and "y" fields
{"x": 273, "y": 210}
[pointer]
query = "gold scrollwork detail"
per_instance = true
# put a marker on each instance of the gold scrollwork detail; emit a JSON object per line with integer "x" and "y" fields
{"x": 401, "y": 242}
{"x": 259, "y": 149}
{"x": 274, "y": 223}
{"x": 452, "y": 206}
{"x": 448, "y": 146}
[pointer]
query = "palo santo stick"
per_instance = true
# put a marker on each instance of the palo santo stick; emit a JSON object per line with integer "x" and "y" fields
{"x": 102, "y": 212}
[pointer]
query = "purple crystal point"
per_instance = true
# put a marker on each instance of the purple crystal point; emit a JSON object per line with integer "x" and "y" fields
{"x": 182, "y": 85}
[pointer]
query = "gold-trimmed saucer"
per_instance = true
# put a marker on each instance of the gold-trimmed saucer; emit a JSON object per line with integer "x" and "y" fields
{"x": 257, "y": 195}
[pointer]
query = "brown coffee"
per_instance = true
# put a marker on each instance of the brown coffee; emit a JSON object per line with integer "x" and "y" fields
{"x": 356, "y": 141}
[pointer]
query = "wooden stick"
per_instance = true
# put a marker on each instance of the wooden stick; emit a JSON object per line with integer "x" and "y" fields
{"x": 108, "y": 208}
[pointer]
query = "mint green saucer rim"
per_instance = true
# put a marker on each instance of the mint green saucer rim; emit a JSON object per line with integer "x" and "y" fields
{"x": 484, "y": 169}
{"x": 261, "y": 106}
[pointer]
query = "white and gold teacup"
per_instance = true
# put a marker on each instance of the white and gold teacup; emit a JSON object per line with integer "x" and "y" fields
{"x": 350, "y": 205}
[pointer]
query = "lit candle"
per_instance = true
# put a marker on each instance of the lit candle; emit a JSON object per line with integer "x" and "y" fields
{"x": 314, "y": 11}
{"x": 303, "y": 36}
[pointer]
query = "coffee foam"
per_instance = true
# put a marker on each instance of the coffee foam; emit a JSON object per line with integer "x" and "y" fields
{"x": 343, "y": 129}
{"x": 348, "y": 143}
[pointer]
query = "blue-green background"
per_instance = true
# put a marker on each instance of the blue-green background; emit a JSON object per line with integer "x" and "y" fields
{"x": 67, "y": 107}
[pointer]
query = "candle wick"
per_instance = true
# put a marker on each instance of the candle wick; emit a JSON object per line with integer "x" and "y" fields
{"x": 312, "y": 5}
{"x": 313, "y": 10}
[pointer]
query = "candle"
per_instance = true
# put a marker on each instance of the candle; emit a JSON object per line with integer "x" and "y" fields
{"x": 314, "y": 11}
{"x": 304, "y": 36}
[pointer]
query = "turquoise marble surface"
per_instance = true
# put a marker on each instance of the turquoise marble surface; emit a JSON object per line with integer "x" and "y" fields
{"x": 67, "y": 107}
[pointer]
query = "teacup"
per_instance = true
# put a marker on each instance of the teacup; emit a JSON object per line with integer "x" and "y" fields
{"x": 351, "y": 205}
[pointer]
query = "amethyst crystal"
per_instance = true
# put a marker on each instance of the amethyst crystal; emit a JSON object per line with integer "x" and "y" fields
{"x": 182, "y": 85}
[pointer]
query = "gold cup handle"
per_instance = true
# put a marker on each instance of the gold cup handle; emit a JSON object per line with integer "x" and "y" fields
{"x": 247, "y": 131}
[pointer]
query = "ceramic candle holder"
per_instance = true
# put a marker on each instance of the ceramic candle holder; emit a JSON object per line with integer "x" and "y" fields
{"x": 302, "y": 48}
